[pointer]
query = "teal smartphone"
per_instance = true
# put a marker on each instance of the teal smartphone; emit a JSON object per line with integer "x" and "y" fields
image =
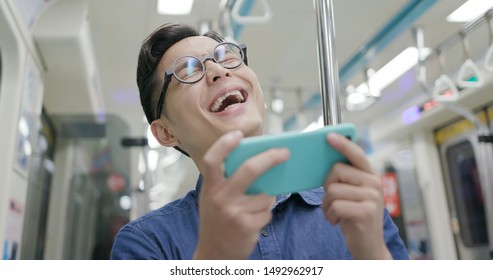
{"x": 311, "y": 160}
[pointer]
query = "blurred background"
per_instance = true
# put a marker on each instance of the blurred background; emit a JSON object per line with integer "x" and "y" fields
{"x": 78, "y": 161}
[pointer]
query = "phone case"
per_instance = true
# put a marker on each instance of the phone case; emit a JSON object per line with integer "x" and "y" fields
{"x": 310, "y": 162}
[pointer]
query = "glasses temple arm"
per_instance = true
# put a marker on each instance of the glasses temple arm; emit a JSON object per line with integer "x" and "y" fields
{"x": 161, "y": 96}
{"x": 245, "y": 57}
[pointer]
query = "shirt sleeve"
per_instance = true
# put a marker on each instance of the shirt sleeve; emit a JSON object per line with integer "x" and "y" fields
{"x": 393, "y": 240}
{"x": 133, "y": 244}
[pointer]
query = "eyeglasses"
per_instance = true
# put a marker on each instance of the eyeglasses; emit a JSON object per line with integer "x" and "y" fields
{"x": 190, "y": 69}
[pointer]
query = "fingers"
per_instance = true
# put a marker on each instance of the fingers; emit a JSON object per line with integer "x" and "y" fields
{"x": 346, "y": 183}
{"x": 353, "y": 152}
{"x": 354, "y": 200}
{"x": 257, "y": 203}
{"x": 215, "y": 156}
{"x": 349, "y": 192}
{"x": 359, "y": 173}
{"x": 259, "y": 210}
{"x": 345, "y": 202}
{"x": 256, "y": 166}
{"x": 249, "y": 170}
{"x": 259, "y": 220}
{"x": 351, "y": 175}
{"x": 351, "y": 211}
{"x": 230, "y": 220}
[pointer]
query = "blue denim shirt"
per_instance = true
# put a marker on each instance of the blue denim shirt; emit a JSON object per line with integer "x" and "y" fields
{"x": 298, "y": 230}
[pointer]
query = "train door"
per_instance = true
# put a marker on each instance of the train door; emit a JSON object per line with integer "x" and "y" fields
{"x": 39, "y": 186}
{"x": 465, "y": 169}
{"x": 90, "y": 192}
{"x": 413, "y": 211}
{"x": 403, "y": 197}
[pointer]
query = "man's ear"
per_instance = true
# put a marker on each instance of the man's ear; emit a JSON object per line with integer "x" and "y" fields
{"x": 162, "y": 133}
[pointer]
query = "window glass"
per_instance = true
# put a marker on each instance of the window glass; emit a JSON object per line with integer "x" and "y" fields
{"x": 467, "y": 194}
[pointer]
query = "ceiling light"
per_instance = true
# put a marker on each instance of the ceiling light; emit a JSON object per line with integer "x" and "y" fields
{"x": 174, "y": 7}
{"x": 399, "y": 65}
{"x": 470, "y": 10}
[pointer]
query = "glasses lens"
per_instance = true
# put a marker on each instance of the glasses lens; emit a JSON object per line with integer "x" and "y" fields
{"x": 188, "y": 69}
{"x": 228, "y": 55}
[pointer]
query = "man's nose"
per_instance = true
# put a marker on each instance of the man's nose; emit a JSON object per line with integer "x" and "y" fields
{"x": 214, "y": 71}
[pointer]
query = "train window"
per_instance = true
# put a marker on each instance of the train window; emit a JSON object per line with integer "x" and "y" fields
{"x": 467, "y": 194}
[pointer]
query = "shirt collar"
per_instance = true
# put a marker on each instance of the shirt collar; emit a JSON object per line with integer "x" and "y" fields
{"x": 198, "y": 186}
{"x": 310, "y": 197}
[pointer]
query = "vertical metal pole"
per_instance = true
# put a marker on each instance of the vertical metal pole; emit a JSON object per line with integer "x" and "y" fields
{"x": 328, "y": 69}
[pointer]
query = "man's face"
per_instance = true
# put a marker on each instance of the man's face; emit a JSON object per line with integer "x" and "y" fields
{"x": 223, "y": 100}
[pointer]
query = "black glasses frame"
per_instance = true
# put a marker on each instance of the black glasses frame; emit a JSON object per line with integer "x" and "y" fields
{"x": 170, "y": 73}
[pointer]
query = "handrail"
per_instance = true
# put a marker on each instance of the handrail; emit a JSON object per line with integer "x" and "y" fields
{"x": 488, "y": 59}
{"x": 465, "y": 71}
{"x": 457, "y": 36}
{"x": 241, "y": 19}
{"x": 442, "y": 83}
{"x": 445, "y": 84}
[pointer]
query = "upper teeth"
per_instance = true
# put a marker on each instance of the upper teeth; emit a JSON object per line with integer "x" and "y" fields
{"x": 217, "y": 104}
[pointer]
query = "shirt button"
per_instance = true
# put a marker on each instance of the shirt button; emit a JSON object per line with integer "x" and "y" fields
{"x": 264, "y": 233}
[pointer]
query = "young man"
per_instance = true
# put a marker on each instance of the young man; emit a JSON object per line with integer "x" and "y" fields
{"x": 200, "y": 96}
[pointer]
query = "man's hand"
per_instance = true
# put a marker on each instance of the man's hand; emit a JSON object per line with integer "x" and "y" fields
{"x": 230, "y": 220}
{"x": 354, "y": 200}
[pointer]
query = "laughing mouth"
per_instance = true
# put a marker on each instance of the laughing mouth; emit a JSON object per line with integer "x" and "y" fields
{"x": 227, "y": 99}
